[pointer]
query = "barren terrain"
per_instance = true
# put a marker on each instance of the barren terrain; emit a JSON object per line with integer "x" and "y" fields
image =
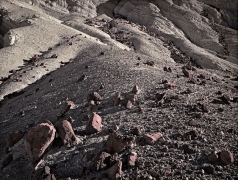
{"x": 109, "y": 89}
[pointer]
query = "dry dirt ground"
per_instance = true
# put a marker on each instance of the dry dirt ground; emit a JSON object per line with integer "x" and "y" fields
{"x": 68, "y": 59}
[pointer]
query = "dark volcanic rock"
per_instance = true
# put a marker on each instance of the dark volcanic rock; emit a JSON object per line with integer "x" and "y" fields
{"x": 135, "y": 89}
{"x": 94, "y": 124}
{"x": 13, "y": 138}
{"x": 213, "y": 158}
{"x": 226, "y": 157}
{"x": 6, "y": 160}
{"x": 209, "y": 169}
{"x": 117, "y": 142}
{"x": 38, "y": 140}
{"x": 101, "y": 160}
{"x": 188, "y": 149}
{"x": 115, "y": 171}
{"x": 66, "y": 133}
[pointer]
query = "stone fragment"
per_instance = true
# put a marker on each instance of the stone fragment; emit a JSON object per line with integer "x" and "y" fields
{"x": 117, "y": 99}
{"x": 94, "y": 124}
{"x": 83, "y": 77}
{"x": 132, "y": 159}
{"x": 190, "y": 90}
{"x": 115, "y": 171}
{"x": 153, "y": 173}
{"x": 150, "y": 63}
{"x": 118, "y": 142}
{"x": 131, "y": 96}
{"x": 13, "y": 138}
{"x": 226, "y": 157}
{"x": 135, "y": 89}
{"x": 193, "y": 122}
{"x": 38, "y": 140}
{"x": 6, "y": 160}
{"x": 213, "y": 158}
{"x": 101, "y": 161}
{"x": 126, "y": 103}
{"x": 209, "y": 169}
{"x": 136, "y": 131}
{"x": 187, "y": 73}
{"x": 151, "y": 139}
{"x": 94, "y": 96}
{"x": 67, "y": 105}
{"x": 188, "y": 149}
{"x": 225, "y": 99}
{"x": 66, "y": 133}
{"x": 160, "y": 97}
{"x": 170, "y": 85}
{"x": 54, "y": 56}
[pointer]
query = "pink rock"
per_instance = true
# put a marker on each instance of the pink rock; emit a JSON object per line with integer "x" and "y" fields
{"x": 13, "y": 138}
{"x": 132, "y": 159}
{"x": 226, "y": 157}
{"x": 94, "y": 124}
{"x": 117, "y": 142}
{"x": 38, "y": 140}
{"x": 157, "y": 135}
{"x": 66, "y": 133}
{"x": 101, "y": 160}
{"x": 151, "y": 139}
{"x": 115, "y": 171}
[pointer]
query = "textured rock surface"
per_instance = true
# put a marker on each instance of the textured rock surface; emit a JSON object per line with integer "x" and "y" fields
{"x": 38, "y": 140}
{"x": 66, "y": 133}
{"x": 58, "y": 51}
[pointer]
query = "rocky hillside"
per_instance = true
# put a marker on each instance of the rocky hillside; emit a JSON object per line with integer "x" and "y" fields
{"x": 113, "y": 89}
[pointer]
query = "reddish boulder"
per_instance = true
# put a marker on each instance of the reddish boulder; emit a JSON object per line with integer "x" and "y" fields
{"x": 66, "y": 133}
{"x": 117, "y": 142}
{"x": 94, "y": 124}
{"x": 101, "y": 160}
{"x": 13, "y": 138}
{"x": 38, "y": 140}
{"x": 132, "y": 159}
{"x": 115, "y": 171}
{"x": 226, "y": 157}
{"x": 94, "y": 96}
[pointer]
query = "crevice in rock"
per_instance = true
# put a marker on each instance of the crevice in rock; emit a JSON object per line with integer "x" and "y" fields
{"x": 107, "y": 8}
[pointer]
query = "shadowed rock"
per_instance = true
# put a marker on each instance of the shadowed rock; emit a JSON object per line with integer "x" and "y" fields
{"x": 94, "y": 124}
{"x": 101, "y": 160}
{"x": 66, "y": 133}
{"x": 115, "y": 171}
{"x": 226, "y": 157}
{"x": 117, "y": 142}
{"x": 38, "y": 140}
{"x": 13, "y": 138}
{"x": 6, "y": 160}
{"x": 68, "y": 105}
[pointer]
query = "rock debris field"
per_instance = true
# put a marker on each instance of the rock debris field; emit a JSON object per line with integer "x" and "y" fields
{"x": 104, "y": 90}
